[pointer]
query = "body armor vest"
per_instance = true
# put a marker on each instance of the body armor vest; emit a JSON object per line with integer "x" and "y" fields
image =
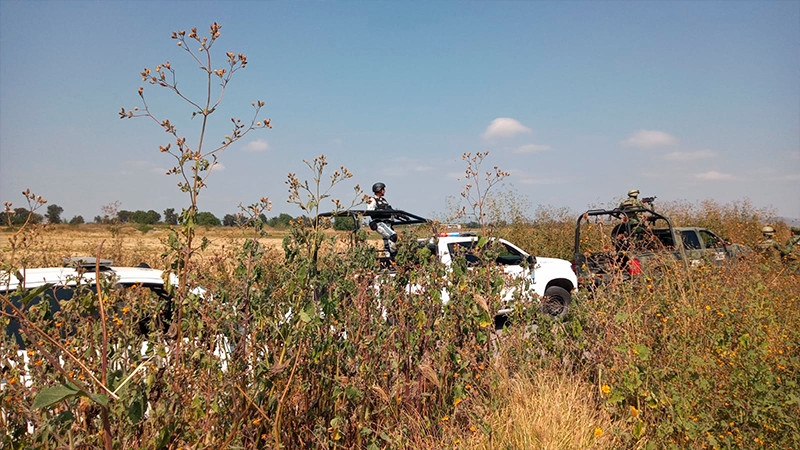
{"x": 381, "y": 203}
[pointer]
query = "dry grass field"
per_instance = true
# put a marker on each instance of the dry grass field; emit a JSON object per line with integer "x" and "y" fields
{"x": 125, "y": 245}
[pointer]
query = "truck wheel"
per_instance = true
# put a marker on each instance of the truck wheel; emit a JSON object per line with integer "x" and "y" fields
{"x": 556, "y": 301}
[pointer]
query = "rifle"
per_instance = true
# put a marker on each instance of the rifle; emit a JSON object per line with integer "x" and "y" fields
{"x": 649, "y": 200}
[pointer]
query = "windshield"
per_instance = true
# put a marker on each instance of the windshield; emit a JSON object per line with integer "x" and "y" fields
{"x": 502, "y": 253}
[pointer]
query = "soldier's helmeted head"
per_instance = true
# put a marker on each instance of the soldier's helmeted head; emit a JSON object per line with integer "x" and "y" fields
{"x": 377, "y": 187}
{"x": 795, "y": 230}
{"x": 633, "y": 193}
{"x": 768, "y": 231}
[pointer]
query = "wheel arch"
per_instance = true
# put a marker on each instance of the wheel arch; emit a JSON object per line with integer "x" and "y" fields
{"x": 561, "y": 282}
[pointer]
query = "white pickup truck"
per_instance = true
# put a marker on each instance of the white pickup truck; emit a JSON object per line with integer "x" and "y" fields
{"x": 551, "y": 279}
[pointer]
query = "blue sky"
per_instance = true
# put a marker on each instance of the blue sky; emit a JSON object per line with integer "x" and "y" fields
{"x": 580, "y": 101}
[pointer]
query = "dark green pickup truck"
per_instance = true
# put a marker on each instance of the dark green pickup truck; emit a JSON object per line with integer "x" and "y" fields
{"x": 608, "y": 246}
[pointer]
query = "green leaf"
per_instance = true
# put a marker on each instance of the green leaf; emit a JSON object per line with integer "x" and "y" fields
{"x": 620, "y": 317}
{"x": 33, "y": 294}
{"x": 615, "y": 397}
{"x": 65, "y": 417}
{"x": 98, "y": 398}
{"x": 577, "y": 329}
{"x": 53, "y": 395}
{"x": 642, "y": 351}
{"x": 638, "y": 429}
{"x": 352, "y": 393}
{"x": 136, "y": 410}
{"x": 305, "y": 317}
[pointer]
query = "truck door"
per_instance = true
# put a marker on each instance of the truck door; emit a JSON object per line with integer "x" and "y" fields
{"x": 694, "y": 249}
{"x": 716, "y": 252}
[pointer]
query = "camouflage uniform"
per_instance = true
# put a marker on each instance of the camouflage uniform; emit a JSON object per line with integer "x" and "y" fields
{"x": 768, "y": 246}
{"x": 791, "y": 251}
{"x": 629, "y": 204}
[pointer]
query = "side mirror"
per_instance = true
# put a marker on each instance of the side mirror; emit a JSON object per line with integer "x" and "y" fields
{"x": 531, "y": 260}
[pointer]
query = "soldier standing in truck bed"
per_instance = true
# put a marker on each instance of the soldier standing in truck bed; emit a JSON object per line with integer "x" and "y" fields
{"x": 632, "y": 203}
{"x": 378, "y": 203}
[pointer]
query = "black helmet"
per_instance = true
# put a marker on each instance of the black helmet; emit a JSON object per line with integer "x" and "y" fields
{"x": 377, "y": 187}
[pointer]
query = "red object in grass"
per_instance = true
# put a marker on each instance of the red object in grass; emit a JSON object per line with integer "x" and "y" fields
{"x": 634, "y": 267}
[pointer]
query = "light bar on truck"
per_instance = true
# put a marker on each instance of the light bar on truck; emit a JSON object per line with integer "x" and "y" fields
{"x": 457, "y": 233}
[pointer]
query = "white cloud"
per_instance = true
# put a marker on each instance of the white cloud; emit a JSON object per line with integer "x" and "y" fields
{"x": 505, "y": 127}
{"x": 218, "y": 167}
{"x": 649, "y": 139}
{"x": 259, "y": 145}
{"x": 713, "y": 175}
{"x": 690, "y": 156}
{"x": 532, "y": 148}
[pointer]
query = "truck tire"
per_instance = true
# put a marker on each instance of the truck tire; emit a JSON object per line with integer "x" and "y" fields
{"x": 556, "y": 302}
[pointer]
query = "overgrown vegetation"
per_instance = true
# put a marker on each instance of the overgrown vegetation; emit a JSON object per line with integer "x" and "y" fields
{"x": 285, "y": 354}
{"x": 308, "y": 346}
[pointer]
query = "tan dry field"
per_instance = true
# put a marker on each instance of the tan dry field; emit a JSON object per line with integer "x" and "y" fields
{"x": 130, "y": 246}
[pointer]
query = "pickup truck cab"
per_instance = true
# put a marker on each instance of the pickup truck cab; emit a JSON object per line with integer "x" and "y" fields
{"x": 608, "y": 247}
{"x": 702, "y": 246}
{"x": 61, "y": 284}
{"x": 551, "y": 279}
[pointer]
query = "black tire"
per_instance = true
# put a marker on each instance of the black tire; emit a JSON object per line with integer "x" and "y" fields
{"x": 555, "y": 302}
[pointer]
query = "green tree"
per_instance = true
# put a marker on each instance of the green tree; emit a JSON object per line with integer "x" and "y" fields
{"x": 232, "y": 220}
{"x": 154, "y": 216}
{"x": 77, "y": 220}
{"x": 53, "y": 214}
{"x": 20, "y": 215}
{"x": 170, "y": 217}
{"x": 145, "y": 217}
{"x": 125, "y": 216}
{"x": 344, "y": 224}
{"x": 281, "y": 221}
{"x": 207, "y": 219}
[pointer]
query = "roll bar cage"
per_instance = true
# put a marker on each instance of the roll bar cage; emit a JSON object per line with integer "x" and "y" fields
{"x": 618, "y": 214}
{"x": 392, "y": 216}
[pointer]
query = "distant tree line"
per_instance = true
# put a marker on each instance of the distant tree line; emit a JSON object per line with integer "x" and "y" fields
{"x": 18, "y": 216}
